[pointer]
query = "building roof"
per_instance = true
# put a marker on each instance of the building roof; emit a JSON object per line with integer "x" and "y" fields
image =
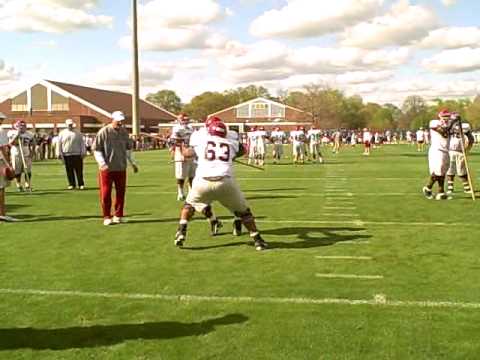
{"x": 262, "y": 99}
{"x": 111, "y": 101}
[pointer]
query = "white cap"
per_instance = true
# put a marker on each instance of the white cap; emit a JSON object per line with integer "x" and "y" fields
{"x": 118, "y": 116}
{"x": 2, "y": 116}
{"x": 69, "y": 122}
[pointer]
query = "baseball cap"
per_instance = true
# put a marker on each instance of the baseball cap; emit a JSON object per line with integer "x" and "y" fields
{"x": 69, "y": 122}
{"x": 118, "y": 116}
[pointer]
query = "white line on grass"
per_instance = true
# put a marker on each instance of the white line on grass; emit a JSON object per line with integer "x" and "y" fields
{"x": 344, "y": 257}
{"x": 340, "y": 215}
{"x": 349, "y": 276}
{"x": 376, "y": 301}
{"x": 339, "y": 207}
{"x": 353, "y": 242}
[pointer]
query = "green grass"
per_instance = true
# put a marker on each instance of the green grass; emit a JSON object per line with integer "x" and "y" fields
{"x": 424, "y": 250}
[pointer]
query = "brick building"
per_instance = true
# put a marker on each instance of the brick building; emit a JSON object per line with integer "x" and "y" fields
{"x": 264, "y": 112}
{"x": 46, "y": 105}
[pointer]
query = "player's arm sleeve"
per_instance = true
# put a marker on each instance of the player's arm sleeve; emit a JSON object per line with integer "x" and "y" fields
{"x": 98, "y": 146}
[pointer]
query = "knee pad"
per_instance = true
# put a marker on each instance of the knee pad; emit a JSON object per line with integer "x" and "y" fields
{"x": 207, "y": 212}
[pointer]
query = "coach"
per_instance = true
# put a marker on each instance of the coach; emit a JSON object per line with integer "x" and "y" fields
{"x": 71, "y": 149}
{"x": 112, "y": 150}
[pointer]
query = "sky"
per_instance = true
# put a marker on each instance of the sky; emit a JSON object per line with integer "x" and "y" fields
{"x": 382, "y": 50}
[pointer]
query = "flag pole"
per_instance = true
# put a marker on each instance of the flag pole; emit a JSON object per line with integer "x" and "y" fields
{"x": 135, "y": 74}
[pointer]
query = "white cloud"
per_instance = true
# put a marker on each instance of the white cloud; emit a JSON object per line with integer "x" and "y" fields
{"x": 404, "y": 24}
{"x": 452, "y": 38}
{"x": 364, "y": 77}
{"x": 449, "y": 2}
{"x": 7, "y": 73}
{"x": 182, "y": 24}
{"x": 52, "y": 16}
{"x": 307, "y": 18}
{"x": 454, "y": 61}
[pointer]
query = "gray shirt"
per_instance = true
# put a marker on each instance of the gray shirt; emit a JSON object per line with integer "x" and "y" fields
{"x": 70, "y": 142}
{"x": 113, "y": 144}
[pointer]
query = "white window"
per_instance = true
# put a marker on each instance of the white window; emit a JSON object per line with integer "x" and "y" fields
{"x": 243, "y": 111}
{"x": 278, "y": 111}
{"x": 259, "y": 110}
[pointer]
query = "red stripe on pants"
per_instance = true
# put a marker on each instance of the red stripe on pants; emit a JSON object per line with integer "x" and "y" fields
{"x": 106, "y": 179}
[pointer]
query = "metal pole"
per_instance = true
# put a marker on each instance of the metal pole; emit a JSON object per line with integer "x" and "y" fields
{"x": 135, "y": 74}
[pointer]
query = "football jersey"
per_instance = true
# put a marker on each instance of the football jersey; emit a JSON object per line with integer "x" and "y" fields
{"x": 420, "y": 135}
{"x": 215, "y": 154}
{"x": 367, "y": 136}
{"x": 181, "y": 133}
{"x": 455, "y": 143}
{"x": 314, "y": 135}
{"x": 298, "y": 136}
{"x": 437, "y": 141}
{"x": 26, "y": 139}
{"x": 260, "y": 136}
{"x": 277, "y": 137}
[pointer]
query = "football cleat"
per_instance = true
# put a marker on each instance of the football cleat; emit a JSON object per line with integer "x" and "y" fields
{"x": 260, "y": 244}
{"x": 181, "y": 197}
{"x": 237, "y": 227}
{"x": 427, "y": 193}
{"x": 215, "y": 226}
{"x": 179, "y": 239}
{"x": 442, "y": 196}
{"x": 107, "y": 222}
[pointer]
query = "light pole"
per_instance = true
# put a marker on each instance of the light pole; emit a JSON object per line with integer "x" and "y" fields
{"x": 135, "y": 74}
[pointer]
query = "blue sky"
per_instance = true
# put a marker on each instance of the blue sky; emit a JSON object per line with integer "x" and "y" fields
{"x": 382, "y": 50}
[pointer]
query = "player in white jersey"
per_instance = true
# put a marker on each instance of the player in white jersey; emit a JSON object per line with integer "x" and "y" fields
{"x": 457, "y": 157}
{"x": 277, "y": 137}
{"x": 21, "y": 151}
{"x": 438, "y": 159}
{"x": 353, "y": 139}
{"x": 184, "y": 168}
{"x": 337, "y": 135}
{"x": 216, "y": 148}
{"x": 298, "y": 139}
{"x": 420, "y": 135}
{"x": 314, "y": 136}
{"x": 260, "y": 138}
{"x": 409, "y": 137}
{"x": 251, "y": 144}
{"x": 367, "y": 139}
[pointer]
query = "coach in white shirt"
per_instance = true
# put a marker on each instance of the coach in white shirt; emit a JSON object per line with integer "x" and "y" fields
{"x": 72, "y": 150}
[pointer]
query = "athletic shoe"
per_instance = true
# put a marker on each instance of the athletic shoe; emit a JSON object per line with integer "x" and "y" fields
{"x": 71, "y": 187}
{"x": 107, "y": 222}
{"x": 82, "y": 187}
{"x": 118, "y": 220}
{"x": 427, "y": 193}
{"x": 215, "y": 225}
{"x": 442, "y": 196}
{"x": 20, "y": 189}
{"x": 7, "y": 218}
{"x": 260, "y": 244}
{"x": 179, "y": 239}
{"x": 180, "y": 197}
{"x": 237, "y": 227}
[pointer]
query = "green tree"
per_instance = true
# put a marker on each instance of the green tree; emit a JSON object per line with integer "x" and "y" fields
{"x": 415, "y": 112}
{"x": 166, "y": 99}
{"x": 207, "y": 103}
{"x": 473, "y": 113}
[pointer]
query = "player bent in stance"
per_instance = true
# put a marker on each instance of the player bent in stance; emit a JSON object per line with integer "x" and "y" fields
{"x": 457, "y": 158}
{"x": 216, "y": 149}
{"x": 184, "y": 168}
{"x": 438, "y": 159}
{"x": 277, "y": 137}
{"x": 22, "y": 146}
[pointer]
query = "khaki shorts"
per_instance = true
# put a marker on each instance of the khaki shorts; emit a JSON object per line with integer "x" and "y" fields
{"x": 226, "y": 191}
{"x": 298, "y": 149}
{"x": 185, "y": 170}
{"x": 17, "y": 164}
{"x": 457, "y": 164}
{"x": 278, "y": 148}
{"x": 438, "y": 162}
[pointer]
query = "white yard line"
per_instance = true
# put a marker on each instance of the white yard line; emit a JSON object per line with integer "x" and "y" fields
{"x": 339, "y": 208}
{"x": 344, "y": 257}
{"x": 349, "y": 276}
{"x": 353, "y": 242}
{"x": 340, "y": 214}
{"x": 378, "y": 300}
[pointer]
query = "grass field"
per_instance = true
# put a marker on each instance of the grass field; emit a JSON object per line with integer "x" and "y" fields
{"x": 361, "y": 266}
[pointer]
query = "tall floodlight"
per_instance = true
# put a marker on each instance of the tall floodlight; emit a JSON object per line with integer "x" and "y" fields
{"x": 135, "y": 74}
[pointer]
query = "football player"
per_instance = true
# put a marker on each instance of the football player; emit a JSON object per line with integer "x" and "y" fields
{"x": 260, "y": 146}
{"x": 184, "y": 168}
{"x": 438, "y": 159}
{"x": 22, "y": 147}
{"x": 277, "y": 137}
{"x": 216, "y": 148}
{"x": 367, "y": 139}
{"x": 457, "y": 157}
{"x": 252, "y": 145}
{"x": 420, "y": 135}
{"x": 337, "y": 135}
{"x": 298, "y": 139}
{"x": 314, "y": 136}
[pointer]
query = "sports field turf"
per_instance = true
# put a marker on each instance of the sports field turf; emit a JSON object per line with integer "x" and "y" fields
{"x": 361, "y": 266}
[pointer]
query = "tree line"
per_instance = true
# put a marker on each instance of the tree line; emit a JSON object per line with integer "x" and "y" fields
{"x": 329, "y": 108}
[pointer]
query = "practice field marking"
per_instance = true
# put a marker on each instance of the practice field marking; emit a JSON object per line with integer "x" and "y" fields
{"x": 378, "y": 300}
{"x": 353, "y": 242}
{"x": 340, "y": 214}
{"x": 340, "y": 208}
{"x": 344, "y": 257}
{"x": 349, "y": 276}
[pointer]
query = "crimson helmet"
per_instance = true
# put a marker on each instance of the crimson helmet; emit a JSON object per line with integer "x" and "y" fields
{"x": 261, "y": 128}
{"x": 302, "y": 128}
{"x": 19, "y": 124}
{"x": 444, "y": 113}
{"x": 212, "y": 119}
{"x": 217, "y": 128}
{"x": 277, "y": 129}
{"x": 254, "y": 128}
{"x": 299, "y": 128}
